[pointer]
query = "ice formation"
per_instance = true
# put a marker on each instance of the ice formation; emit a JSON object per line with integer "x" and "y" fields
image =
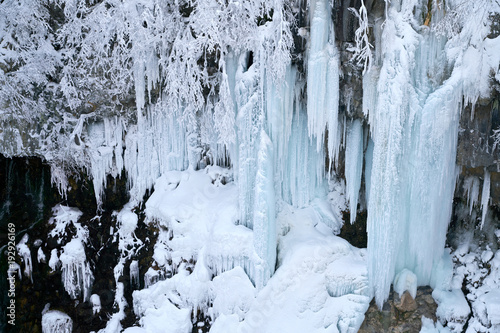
{"x": 471, "y": 187}
{"x": 76, "y": 275}
{"x": 56, "y": 321}
{"x": 64, "y": 216}
{"x": 264, "y": 225}
{"x": 323, "y": 81}
{"x": 428, "y": 326}
{"x": 24, "y": 252}
{"x": 41, "y": 258}
{"x": 354, "y": 164}
{"x": 96, "y": 303}
{"x": 127, "y": 220}
{"x": 54, "y": 261}
{"x": 134, "y": 274}
{"x": 453, "y": 309}
{"x": 485, "y": 196}
{"x": 321, "y": 280}
{"x": 239, "y": 155}
{"x": 405, "y": 281}
{"x": 413, "y": 116}
{"x": 478, "y": 269}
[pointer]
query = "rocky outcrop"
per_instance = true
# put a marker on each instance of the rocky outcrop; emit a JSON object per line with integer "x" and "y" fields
{"x": 400, "y": 314}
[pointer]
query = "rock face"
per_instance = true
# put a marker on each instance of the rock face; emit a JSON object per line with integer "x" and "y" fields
{"x": 476, "y": 150}
{"x": 400, "y": 314}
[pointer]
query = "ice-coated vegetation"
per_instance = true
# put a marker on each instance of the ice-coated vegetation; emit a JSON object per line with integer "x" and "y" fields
{"x": 237, "y": 135}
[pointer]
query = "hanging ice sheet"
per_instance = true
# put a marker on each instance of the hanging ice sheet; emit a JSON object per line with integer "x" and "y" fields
{"x": 414, "y": 125}
{"x": 323, "y": 81}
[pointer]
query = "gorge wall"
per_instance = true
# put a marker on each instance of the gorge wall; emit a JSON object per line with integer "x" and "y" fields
{"x": 176, "y": 149}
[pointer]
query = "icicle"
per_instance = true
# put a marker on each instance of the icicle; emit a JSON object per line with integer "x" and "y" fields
{"x": 471, "y": 188}
{"x": 106, "y": 153}
{"x": 24, "y": 252}
{"x": 76, "y": 275}
{"x": 140, "y": 87}
{"x": 368, "y": 168}
{"x": 264, "y": 225}
{"x": 303, "y": 183}
{"x": 354, "y": 164}
{"x": 154, "y": 146}
{"x": 485, "y": 196}
{"x": 323, "y": 81}
{"x": 250, "y": 120}
{"x": 151, "y": 277}
{"x": 134, "y": 274}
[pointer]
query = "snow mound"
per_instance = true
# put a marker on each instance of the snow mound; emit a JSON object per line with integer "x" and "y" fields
{"x": 321, "y": 284}
{"x": 404, "y": 281}
{"x": 56, "y": 321}
{"x": 428, "y": 326}
{"x": 453, "y": 309}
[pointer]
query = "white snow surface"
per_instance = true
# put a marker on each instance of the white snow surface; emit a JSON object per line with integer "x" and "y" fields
{"x": 480, "y": 272}
{"x": 453, "y": 309}
{"x": 428, "y": 326}
{"x": 56, "y": 321}
{"x": 320, "y": 284}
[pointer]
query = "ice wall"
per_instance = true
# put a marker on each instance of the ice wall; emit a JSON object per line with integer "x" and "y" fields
{"x": 323, "y": 80}
{"x": 413, "y": 115}
{"x": 264, "y": 224}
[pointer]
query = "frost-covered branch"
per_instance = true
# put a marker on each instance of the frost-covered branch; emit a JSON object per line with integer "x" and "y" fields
{"x": 363, "y": 49}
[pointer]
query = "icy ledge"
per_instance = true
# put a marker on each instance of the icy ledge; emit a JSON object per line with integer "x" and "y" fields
{"x": 320, "y": 284}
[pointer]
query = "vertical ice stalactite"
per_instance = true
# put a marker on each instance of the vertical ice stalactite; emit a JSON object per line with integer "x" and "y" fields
{"x": 280, "y": 100}
{"x": 76, "y": 275}
{"x": 388, "y": 118}
{"x": 249, "y": 123}
{"x": 298, "y": 166}
{"x": 368, "y": 169}
{"x": 254, "y": 165}
{"x": 471, "y": 187}
{"x": 354, "y": 164}
{"x": 134, "y": 274}
{"x": 323, "y": 81}
{"x": 305, "y": 165}
{"x": 154, "y": 146}
{"x": 414, "y": 127}
{"x": 485, "y": 196}
{"x": 264, "y": 215}
{"x": 106, "y": 154}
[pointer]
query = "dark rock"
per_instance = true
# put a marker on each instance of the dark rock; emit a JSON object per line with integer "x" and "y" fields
{"x": 355, "y": 233}
{"x": 406, "y": 303}
{"x": 400, "y": 314}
